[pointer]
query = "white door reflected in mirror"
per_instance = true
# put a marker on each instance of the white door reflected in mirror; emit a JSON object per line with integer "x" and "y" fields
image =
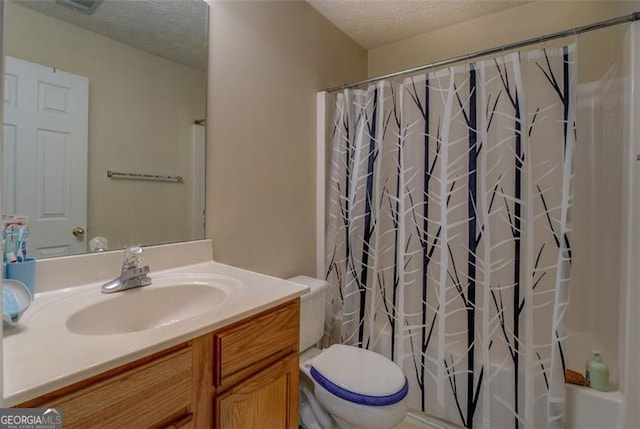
{"x": 45, "y": 155}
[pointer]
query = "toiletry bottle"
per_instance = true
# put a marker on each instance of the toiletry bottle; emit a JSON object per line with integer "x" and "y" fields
{"x": 597, "y": 373}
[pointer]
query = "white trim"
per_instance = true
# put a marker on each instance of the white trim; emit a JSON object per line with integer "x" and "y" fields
{"x": 198, "y": 181}
{"x": 630, "y": 298}
{"x": 3, "y": 12}
{"x": 321, "y": 115}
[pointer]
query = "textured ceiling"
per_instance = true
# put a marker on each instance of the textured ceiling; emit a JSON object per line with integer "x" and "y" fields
{"x": 173, "y": 29}
{"x": 372, "y": 23}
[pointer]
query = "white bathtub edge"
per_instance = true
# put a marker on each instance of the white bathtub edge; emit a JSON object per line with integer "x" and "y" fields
{"x": 588, "y": 408}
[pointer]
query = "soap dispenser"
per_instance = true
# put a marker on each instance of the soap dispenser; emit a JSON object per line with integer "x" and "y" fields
{"x": 597, "y": 373}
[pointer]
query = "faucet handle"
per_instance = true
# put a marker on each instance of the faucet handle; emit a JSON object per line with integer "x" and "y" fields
{"x": 132, "y": 257}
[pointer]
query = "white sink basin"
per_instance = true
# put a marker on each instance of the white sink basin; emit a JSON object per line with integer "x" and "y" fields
{"x": 141, "y": 309}
{"x": 167, "y": 301}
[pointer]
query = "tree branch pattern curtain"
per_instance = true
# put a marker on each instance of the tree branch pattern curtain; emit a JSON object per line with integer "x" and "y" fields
{"x": 448, "y": 238}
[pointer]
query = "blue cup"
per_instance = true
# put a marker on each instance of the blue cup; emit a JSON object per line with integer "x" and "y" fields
{"x": 24, "y": 272}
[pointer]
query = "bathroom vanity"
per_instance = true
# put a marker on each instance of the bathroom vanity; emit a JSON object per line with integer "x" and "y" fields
{"x": 233, "y": 367}
{"x": 241, "y": 376}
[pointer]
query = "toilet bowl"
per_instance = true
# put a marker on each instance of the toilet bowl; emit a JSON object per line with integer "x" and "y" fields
{"x": 344, "y": 386}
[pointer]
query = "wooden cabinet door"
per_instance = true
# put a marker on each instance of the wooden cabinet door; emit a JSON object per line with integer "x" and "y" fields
{"x": 155, "y": 394}
{"x": 266, "y": 400}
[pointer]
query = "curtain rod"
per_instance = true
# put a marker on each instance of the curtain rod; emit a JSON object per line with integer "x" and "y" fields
{"x": 635, "y": 16}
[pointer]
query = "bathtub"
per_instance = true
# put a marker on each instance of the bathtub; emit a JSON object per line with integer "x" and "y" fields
{"x": 588, "y": 408}
{"x": 585, "y": 407}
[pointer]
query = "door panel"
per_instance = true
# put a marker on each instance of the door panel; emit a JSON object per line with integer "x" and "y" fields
{"x": 45, "y": 162}
{"x": 9, "y": 151}
{"x": 53, "y": 152}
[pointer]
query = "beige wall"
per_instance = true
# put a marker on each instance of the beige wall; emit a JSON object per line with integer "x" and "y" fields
{"x": 511, "y": 25}
{"x": 267, "y": 60}
{"x": 141, "y": 108}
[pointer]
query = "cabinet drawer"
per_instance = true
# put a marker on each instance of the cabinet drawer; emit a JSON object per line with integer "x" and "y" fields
{"x": 138, "y": 398}
{"x": 255, "y": 344}
{"x": 268, "y": 399}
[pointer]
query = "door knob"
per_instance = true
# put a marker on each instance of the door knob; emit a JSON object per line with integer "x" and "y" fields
{"x": 78, "y": 231}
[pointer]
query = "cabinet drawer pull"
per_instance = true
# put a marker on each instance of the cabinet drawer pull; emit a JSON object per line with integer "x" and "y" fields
{"x": 182, "y": 421}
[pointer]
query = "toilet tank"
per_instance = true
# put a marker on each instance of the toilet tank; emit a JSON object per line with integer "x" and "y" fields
{"x": 312, "y": 310}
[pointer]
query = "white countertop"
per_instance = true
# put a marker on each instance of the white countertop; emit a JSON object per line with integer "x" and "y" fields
{"x": 42, "y": 355}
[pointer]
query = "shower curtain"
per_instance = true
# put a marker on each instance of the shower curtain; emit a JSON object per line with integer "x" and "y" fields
{"x": 448, "y": 234}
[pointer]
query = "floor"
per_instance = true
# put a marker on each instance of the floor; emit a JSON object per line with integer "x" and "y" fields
{"x": 415, "y": 421}
{"x": 410, "y": 424}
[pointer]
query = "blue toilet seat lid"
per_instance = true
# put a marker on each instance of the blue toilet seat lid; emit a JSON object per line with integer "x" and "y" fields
{"x": 359, "y": 376}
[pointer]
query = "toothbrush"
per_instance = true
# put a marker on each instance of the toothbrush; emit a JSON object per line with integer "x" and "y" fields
{"x": 20, "y": 249}
{"x": 9, "y": 247}
{"x": 14, "y": 235}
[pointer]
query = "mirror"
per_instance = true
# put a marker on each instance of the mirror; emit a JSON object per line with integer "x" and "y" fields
{"x": 104, "y": 122}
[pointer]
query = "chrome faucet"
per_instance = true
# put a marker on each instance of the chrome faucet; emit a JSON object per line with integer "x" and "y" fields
{"x": 133, "y": 274}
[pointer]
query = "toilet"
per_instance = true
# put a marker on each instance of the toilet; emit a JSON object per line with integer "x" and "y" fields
{"x": 344, "y": 387}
